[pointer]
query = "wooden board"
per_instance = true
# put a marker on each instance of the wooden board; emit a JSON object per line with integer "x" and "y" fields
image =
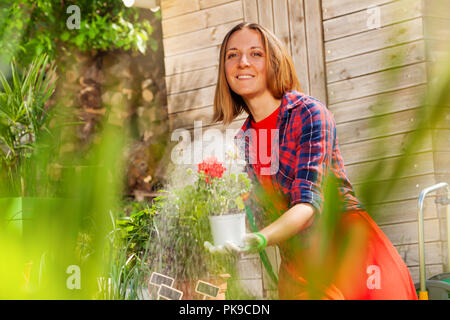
{"x": 192, "y": 60}
{"x": 381, "y": 148}
{"x": 334, "y": 8}
{"x": 443, "y": 122}
{"x": 376, "y": 105}
{"x": 416, "y": 164}
{"x": 250, "y": 11}
{"x": 192, "y": 80}
{"x": 430, "y": 270}
{"x": 394, "y": 123}
{"x": 374, "y": 40}
{"x": 399, "y": 189}
{"x": 410, "y": 253}
{"x": 437, "y": 8}
{"x": 402, "y": 211}
{"x": 298, "y": 42}
{"x": 442, "y": 162}
{"x": 204, "y": 4}
{"x": 406, "y": 233}
{"x": 173, "y": 8}
{"x": 196, "y": 40}
{"x": 249, "y": 268}
{"x": 437, "y": 53}
{"x": 185, "y": 23}
{"x": 281, "y": 25}
{"x": 235, "y": 125}
{"x": 441, "y": 139}
{"x": 437, "y": 28}
{"x": 315, "y": 48}
{"x": 357, "y": 22}
{"x": 265, "y": 16}
{"x": 191, "y": 100}
{"x": 186, "y": 119}
{"x": 379, "y": 82}
{"x": 376, "y": 61}
{"x": 202, "y": 19}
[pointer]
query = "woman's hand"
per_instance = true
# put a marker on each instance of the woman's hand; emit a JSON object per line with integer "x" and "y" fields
{"x": 253, "y": 243}
{"x": 222, "y": 250}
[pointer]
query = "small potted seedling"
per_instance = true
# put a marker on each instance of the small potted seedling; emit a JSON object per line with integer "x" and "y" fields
{"x": 224, "y": 201}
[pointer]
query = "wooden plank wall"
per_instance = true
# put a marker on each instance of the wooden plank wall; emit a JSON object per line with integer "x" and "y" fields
{"x": 376, "y": 80}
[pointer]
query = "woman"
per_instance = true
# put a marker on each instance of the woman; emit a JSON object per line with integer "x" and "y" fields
{"x": 293, "y": 165}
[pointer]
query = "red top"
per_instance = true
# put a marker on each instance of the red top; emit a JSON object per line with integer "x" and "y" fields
{"x": 262, "y": 145}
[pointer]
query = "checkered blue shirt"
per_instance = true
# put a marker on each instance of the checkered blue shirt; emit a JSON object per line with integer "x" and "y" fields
{"x": 308, "y": 151}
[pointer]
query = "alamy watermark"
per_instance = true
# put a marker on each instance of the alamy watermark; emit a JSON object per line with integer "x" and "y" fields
{"x": 74, "y": 280}
{"x": 374, "y": 279}
{"x": 214, "y": 142}
{"x": 74, "y": 20}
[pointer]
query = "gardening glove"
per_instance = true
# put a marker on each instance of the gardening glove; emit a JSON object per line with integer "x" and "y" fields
{"x": 253, "y": 243}
{"x": 217, "y": 249}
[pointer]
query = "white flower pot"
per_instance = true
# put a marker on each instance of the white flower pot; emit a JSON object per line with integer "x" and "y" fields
{"x": 230, "y": 227}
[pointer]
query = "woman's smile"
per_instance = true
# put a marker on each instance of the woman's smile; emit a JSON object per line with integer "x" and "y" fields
{"x": 245, "y": 77}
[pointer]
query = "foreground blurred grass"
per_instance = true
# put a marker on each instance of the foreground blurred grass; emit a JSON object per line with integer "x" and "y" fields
{"x": 68, "y": 226}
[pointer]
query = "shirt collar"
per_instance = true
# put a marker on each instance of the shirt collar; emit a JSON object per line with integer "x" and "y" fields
{"x": 290, "y": 100}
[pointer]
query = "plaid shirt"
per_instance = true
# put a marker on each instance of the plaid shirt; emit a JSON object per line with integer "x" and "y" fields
{"x": 308, "y": 151}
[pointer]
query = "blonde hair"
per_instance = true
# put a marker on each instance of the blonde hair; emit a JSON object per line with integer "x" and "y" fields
{"x": 281, "y": 75}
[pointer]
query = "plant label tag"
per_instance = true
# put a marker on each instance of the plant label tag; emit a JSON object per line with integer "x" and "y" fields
{"x": 207, "y": 289}
{"x": 158, "y": 279}
{"x": 169, "y": 293}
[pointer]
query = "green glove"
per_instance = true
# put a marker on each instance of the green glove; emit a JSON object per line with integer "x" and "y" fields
{"x": 253, "y": 243}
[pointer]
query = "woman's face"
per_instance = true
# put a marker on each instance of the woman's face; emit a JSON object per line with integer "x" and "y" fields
{"x": 245, "y": 63}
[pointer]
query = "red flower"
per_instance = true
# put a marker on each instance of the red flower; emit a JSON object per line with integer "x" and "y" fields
{"x": 212, "y": 168}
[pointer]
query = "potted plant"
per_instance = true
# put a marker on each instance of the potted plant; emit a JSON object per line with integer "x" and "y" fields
{"x": 181, "y": 227}
{"x": 178, "y": 222}
{"x": 223, "y": 201}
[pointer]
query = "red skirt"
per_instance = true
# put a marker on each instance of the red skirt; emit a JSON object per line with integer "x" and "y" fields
{"x": 358, "y": 262}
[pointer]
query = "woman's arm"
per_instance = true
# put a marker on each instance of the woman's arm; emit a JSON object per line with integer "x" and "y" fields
{"x": 297, "y": 218}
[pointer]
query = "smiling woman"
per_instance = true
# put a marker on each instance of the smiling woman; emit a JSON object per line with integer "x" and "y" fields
{"x": 330, "y": 247}
{"x": 249, "y": 61}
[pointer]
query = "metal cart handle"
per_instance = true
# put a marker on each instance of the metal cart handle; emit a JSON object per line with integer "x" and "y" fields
{"x": 423, "y": 294}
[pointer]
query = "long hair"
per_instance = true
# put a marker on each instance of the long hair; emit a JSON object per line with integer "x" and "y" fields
{"x": 281, "y": 75}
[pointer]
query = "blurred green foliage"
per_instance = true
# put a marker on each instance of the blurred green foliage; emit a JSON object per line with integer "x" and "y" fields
{"x": 30, "y": 28}
{"x": 23, "y": 119}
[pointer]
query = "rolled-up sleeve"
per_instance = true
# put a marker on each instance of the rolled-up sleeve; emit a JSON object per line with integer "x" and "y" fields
{"x": 313, "y": 155}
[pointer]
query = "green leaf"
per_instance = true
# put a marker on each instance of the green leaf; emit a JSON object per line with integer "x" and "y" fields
{"x": 141, "y": 44}
{"x": 239, "y": 203}
{"x": 65, "y": 36}
{"x": 79, "y": 39}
